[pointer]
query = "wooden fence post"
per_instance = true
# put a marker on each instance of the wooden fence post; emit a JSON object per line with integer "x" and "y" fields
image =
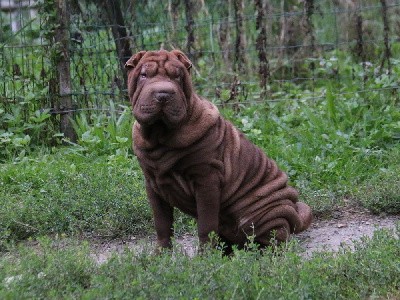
{"x": 63, "y": 71}
{"x": 120, "y": 34}
{"x": 360, "y": 42}
{"x": 240, "y": 44}
{"x": 261, "y": 46}
{"x": 387, "y": 55}
{"x": 189, "y": 10}
{"x": 309, "y": 26}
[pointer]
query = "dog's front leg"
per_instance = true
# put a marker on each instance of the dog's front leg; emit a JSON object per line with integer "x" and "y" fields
{"x": 163, "y": 218}
{"x": 208, "y": 193}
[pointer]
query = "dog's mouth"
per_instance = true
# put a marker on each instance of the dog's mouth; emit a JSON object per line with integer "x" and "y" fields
{"x": 162, "y": 122}
{"x": 158, "y": 130}
{"x": 160, "y": 102}
{"x": 158, "y": 120}
{"x": 169, "y": 114}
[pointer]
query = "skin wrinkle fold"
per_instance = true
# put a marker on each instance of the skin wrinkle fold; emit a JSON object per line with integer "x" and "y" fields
{"x": 270, "y": 202}
{"x": 281, "y": 227}
{"x": 196, "y": 161}
{"x": 261, "y": 191}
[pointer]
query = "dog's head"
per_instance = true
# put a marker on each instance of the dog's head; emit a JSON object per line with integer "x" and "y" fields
{"x": 159, "y": 87}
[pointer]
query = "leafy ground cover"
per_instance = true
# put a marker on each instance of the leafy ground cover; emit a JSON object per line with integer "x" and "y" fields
{"x": 336, "y": 134}
{"x": 72, "y": 194}
{"x": 84, "y": 189}
{"x": 53, "y": 272}
{"x": 338, "y": 150}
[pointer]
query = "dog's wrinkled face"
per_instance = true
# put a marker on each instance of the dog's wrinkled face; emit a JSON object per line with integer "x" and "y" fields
{"x": 159, "y": 87}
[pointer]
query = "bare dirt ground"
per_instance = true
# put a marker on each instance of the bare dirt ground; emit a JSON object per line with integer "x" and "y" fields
{"x": 347, "y": 225}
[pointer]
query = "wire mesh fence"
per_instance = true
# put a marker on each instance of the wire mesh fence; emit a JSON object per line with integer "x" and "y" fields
{"x": 243, "y": 51}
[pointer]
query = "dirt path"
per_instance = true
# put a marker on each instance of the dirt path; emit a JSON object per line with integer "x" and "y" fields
{"x": 347, "y": 225}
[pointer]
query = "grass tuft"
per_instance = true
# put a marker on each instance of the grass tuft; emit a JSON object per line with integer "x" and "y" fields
{"x": 381, "y": 194}
{"x": 370, "y": 271}
{"x": 67, "y": 193}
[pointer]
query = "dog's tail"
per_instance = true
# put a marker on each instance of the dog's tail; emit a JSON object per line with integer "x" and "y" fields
{"x": 305, "y": 216}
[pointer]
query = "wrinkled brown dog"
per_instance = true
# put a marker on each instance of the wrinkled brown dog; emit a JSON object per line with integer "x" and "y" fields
{"x": 196, "y": 161}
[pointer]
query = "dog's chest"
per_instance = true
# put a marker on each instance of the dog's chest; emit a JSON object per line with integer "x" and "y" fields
{"x": 177, "y": 190}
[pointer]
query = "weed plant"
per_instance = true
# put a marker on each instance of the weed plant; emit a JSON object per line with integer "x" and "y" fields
{"x": 381, "y": 193}
{"x": 331, "y": 148}
{"x": 54, "y": 271}
{"x": 343, "y": 142}
{"x": 328, "y": 149}
{"x": 21, "y": 135}
{"x": 344, "y": 145}
{"x": 69, "y": 193}
{"x": 106, "y": 132}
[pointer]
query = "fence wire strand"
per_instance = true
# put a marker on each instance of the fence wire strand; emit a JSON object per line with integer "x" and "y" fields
{"x": 28, "y": 76}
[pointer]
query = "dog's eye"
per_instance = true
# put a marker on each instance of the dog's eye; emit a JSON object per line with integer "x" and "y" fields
{"x": 143, "y": 75}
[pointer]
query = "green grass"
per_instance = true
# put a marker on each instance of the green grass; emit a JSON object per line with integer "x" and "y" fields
{"x": 69, "y": 193}
{"x": 381, "y": 193}
{"x": 345, "y": 146}
{"x": 56, "y": 272}
{"x": 332, "y": 149}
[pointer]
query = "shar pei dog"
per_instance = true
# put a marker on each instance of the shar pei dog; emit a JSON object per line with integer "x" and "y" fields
{"x": 195, "y": 160}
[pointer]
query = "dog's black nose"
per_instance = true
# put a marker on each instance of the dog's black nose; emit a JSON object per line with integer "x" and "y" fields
{"x": 163, "y": 97}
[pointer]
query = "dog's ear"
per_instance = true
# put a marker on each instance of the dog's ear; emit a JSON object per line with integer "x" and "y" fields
{"x": 134, "y": 60}
{"x": 182, "y": 58}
